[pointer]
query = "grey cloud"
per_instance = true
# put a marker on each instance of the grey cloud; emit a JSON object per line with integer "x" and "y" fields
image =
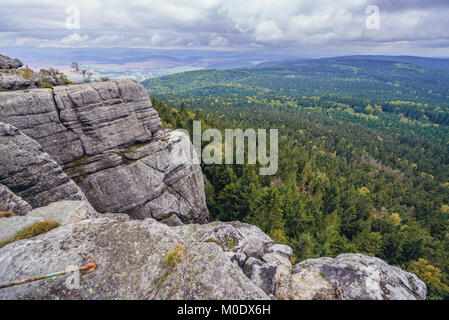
{"x": 320, "y": 24}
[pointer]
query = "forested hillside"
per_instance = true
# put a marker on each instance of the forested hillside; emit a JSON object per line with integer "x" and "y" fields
{"x": 363, "y": 155}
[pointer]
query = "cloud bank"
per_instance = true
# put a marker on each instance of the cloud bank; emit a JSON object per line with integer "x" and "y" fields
{"x": 323, "y": 26}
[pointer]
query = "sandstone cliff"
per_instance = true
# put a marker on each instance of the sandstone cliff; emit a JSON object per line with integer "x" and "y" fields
{"x": 28, "y": 172}
{"x": 106, "y": 137}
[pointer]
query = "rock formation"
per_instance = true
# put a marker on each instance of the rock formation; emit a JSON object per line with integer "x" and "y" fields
{"x": 11, "y": 202}
{"x": 107, "y": 138}
{"x": 14, "y": 78}
{"x": 353, "y": 276}
{"x": 130, "y": 258}
{"x": 9, "y": 63}
{"x": 30, "y": 173}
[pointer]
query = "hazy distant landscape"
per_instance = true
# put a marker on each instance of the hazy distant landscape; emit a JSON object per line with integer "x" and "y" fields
{"x": 137, "y": 64}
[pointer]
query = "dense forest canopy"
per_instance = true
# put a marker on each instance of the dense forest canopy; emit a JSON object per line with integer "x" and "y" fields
{"x": 363, "y": 154}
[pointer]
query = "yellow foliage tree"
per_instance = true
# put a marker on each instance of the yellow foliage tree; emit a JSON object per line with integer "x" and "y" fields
{"x": 445, "y": 208}
{"x": 363, "y": 191}
{"x": 432, "y": 277}
{"x": 396, "y": 218}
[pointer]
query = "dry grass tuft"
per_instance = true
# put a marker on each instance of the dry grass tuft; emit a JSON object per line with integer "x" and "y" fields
{"x": 32, "y": 231}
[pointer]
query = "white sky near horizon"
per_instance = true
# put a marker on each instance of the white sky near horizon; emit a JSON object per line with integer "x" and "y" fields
{"x": 322, "y": 27}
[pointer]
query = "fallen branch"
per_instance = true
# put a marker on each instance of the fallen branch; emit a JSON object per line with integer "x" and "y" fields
{"x": 86, "y": 269}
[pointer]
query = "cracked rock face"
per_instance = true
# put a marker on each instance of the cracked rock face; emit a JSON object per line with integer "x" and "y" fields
{"x": 129, "y": 257}
{"x": 11, "y": 81}
{"x": 12, "y": 202}
{"x": 353, "y": 276}
{"x": 29, "y": 173}
{"x": 106, "y": 136}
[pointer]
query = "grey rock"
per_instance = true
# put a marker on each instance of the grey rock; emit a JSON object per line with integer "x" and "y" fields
{"x": 116, "y": 216}
{"x": 283, "y": 276}
{"x": 245, "y": 238}
{"x": 13, "y": 81}
{"x": 226, "y": 235}
{"x": 9, "y": 63}
{"x": 353, "y": 276}
{"x": 281, "y": 249}
{"x": 264, "y": 277}
{"x": 130, "y": 254}
{"x": 35, "y": 114}
{"x": 106, "y": 136}
{"x": 129, "y": 257}
{"x": 12, "y": 202}
{"x": 64, "y": 212}
{"x": 30, "y": 173}
{"x": 277, "y": 259}
{"x": 52, "y": 77}
{"x": 255, "y": 246}
{"x": 249, "y": 263}
{"x": 238, "y": 258}
{"x": 173, "y": 221}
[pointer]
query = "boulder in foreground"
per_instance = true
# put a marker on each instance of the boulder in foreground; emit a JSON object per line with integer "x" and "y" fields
{"x": 220, "y": 260}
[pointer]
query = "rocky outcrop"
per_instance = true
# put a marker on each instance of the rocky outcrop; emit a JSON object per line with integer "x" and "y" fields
{"x": 129, "y": 256}
{"x": 13, "y": 81}
{"x": 28, "y": 172}
{"x": 107, "y": 138}
{"x": 13, "y": 77}
{"x": 9, "y": 63}
{"x": 64, "y": 212}
{"x": 130, "y": 259}
{"x": 353, "y": 276}
{"x": 11, "y": 202}
{"x": 10, "y": 79}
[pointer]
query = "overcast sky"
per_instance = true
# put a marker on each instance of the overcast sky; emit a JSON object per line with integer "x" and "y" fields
{"x": 322, "y": 27}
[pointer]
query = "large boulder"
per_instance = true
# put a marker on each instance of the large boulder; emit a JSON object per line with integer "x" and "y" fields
{"x": 107, "y": 138}
{"x": 130, "y": 264}
{"x": 30, "y": 173}
{"x": 353, "y": 276}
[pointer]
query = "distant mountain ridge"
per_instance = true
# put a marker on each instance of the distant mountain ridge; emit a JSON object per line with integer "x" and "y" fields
{"x": 439, "y": 64}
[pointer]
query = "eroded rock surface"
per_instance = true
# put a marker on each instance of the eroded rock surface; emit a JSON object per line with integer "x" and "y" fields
{"x": 30, "y": 173}
{"x": 129, "y": 256}
{"x": 11, "y": 202}
{"x": 107, "y": 138}
{"x": 353, "y": 276}
{"x": 13, "y": 81}
{"x": 130, "y": 259}
{"x": 9, "y": 63}
{"x": 64, "y": 212}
